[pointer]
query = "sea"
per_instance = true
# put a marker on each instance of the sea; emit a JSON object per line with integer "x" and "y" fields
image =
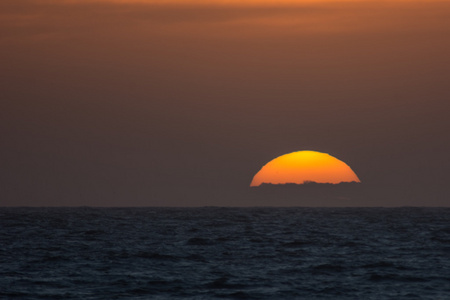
{"x": 225, "y": 253}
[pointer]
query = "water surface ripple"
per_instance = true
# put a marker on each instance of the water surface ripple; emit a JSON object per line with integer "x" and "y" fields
{"x": 225, "y": 253}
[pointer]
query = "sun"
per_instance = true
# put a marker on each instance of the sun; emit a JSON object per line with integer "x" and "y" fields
{"x": 305, "y": 166}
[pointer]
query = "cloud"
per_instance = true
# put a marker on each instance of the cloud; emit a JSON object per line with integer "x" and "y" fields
{"x": 45, "y": 20}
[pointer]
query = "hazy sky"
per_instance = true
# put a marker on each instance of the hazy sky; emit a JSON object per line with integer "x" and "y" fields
{"x": 125, "y": 103}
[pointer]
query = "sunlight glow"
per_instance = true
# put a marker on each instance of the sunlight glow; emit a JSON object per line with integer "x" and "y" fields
{"x": 303, "y": 166}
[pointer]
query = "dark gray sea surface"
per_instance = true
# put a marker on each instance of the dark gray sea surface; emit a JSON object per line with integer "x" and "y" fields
{"x": 225, "y": 253}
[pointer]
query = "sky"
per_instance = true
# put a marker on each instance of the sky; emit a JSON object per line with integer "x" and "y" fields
{"x": 180, "y": 103}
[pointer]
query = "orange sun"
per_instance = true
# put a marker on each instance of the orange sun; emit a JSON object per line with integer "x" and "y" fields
{"x": 303, "y": 166}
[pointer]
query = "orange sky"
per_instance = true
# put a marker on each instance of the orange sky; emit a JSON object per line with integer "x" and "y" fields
{"x": 101, "y": 98}
{"x": 239, "y": 2}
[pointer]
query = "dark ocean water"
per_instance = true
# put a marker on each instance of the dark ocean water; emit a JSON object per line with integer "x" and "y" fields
{"x": 225, "y": 253}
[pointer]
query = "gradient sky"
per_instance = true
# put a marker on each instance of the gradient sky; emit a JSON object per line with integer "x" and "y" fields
{"x": 180, "y": 103}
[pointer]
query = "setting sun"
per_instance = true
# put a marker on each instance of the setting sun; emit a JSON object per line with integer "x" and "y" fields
{"x": 304, "y": 166}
